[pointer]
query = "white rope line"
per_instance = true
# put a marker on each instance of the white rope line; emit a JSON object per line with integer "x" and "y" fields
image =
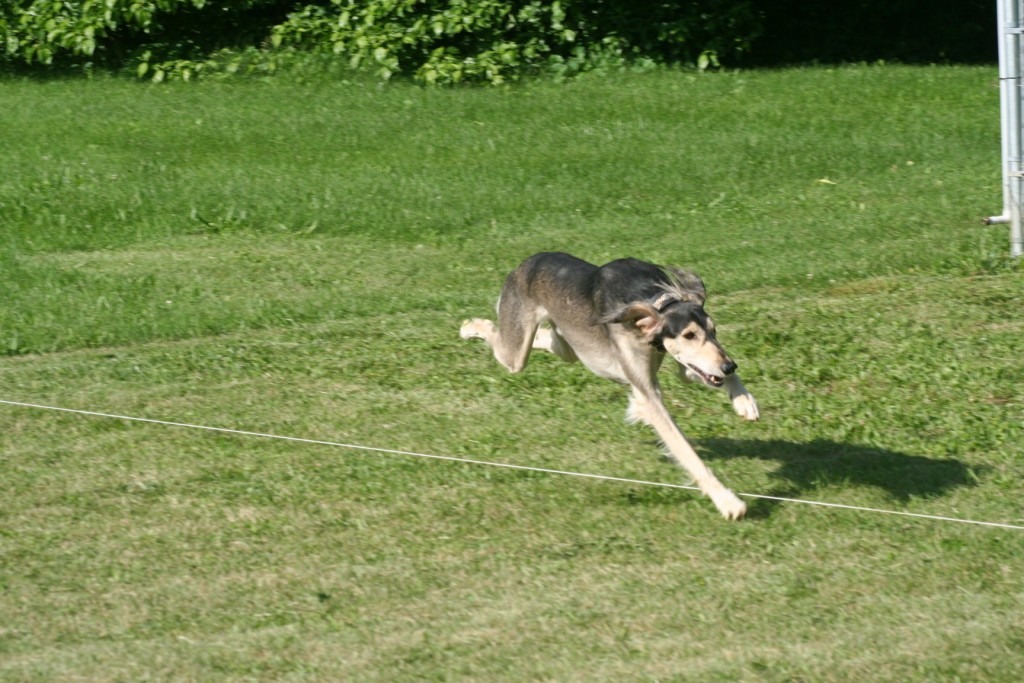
{"x": 488, "y": 463}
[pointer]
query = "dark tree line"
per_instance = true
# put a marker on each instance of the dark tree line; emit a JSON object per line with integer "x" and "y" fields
{"x": 449, "y": 41}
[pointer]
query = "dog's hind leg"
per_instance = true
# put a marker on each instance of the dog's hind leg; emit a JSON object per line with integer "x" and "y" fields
{"x": 650, "y": 410}
{"x": 513, "y": 337}
{"x": 479, "y": 328}
{"x": 548, "y": 339}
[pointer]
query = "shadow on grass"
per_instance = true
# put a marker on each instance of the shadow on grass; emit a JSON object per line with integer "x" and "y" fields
{"x": 808, "y": 466}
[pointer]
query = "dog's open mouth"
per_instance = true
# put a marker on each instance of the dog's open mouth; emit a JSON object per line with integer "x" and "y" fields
{"x": 711, "y": 380}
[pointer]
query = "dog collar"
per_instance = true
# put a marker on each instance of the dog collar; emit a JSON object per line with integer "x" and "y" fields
{"x": 663, "y": 301}
{"x": 660, "y": 303}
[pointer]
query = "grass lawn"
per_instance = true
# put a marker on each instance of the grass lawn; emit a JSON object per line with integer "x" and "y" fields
{"x": 296, "y": 259}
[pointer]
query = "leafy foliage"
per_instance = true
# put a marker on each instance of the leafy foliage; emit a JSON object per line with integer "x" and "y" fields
{"x": 493, "y": 41}
{"x": 44, "y": 30}
{"x": 450, "y": 41}
{"x": 436, "y": 41}
{"x": 153, "y": 37}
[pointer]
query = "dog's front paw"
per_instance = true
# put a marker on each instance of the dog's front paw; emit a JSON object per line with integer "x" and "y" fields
{"x": 728, "y": 503}
{"x": 745, "y": 406}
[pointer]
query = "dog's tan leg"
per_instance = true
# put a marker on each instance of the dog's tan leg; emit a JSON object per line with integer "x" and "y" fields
{"x": 511, "y": 344}
{"x": 742, "y": 400}
{"x": 518, "y": 319}
{"x": 652, "y": 411}
{"x": 548, "y": 339}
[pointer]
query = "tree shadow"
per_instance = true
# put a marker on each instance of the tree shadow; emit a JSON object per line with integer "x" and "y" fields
{"x": 819, "y": 463}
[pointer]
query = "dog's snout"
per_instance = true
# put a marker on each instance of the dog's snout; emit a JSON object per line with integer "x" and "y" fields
{"x": 729, "y": 367}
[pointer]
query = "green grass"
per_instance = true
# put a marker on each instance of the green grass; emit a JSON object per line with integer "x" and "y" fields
{"x": 296, "y": 259}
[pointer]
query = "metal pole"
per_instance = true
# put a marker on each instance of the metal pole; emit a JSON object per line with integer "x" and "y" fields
{"x": 1002, "y": 21}
{"x": 1009, "y": 14}
{"x": 1015, "y": 169}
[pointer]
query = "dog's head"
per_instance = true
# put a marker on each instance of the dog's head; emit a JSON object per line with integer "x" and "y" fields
{"x": 675, "y": 322}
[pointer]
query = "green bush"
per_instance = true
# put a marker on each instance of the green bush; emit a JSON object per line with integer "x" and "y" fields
{"x": 451, "y": 41}
{"x": 43, "y": 31}
{"x": 435, "y": 41}
{"x": 152, "y": 37}
{"x": 493, "y": 41}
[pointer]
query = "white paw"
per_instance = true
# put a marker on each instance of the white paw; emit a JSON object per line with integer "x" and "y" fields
{"x": 728, "y": 503}
{"x": 745, "y": 406}
{"x": 475, "y": 328}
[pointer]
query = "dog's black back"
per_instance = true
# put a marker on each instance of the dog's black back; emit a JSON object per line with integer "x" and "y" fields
{"x": 609, "y": 287}
{"x": 627, "y": 280}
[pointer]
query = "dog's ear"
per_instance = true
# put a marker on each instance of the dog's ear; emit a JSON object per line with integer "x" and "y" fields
{"x": 640, "y": 317}
{"x": 688, "y": 286}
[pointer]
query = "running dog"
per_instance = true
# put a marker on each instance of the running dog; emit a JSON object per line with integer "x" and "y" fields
{"x": 619, "y": 320}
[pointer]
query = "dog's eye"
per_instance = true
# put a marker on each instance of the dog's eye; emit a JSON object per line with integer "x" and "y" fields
{"x": 689, "y": 335}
